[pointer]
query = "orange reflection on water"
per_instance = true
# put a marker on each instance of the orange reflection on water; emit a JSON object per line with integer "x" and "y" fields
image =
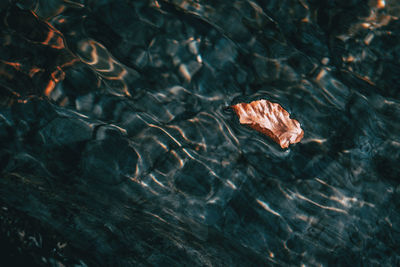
{"x": 49, "y": 88}
{"x": 97, "y": 56}
{"x": 54, "y": 38}
{"x": 380, "y": 4}
{"x": 15, "y": 65}
{"x": 57, "y": 76}
{"x": 33, "y": 71}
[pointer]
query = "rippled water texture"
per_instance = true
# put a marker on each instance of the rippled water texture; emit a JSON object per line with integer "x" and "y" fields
{"x": 118, "y": 146}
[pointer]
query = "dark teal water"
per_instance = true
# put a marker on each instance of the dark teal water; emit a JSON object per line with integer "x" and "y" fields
{"x": 117, "y": 138}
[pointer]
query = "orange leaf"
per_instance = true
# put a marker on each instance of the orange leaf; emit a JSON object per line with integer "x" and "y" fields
{"x": 270, "y": 119}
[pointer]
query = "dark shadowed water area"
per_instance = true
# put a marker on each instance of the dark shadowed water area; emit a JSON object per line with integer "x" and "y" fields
{"x": 118, "y": 146}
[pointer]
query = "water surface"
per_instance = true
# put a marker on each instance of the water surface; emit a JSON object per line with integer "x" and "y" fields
{"x": 117, "y": 137}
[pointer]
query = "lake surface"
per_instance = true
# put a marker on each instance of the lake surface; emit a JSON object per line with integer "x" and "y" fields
{"x": 119, "y": 146}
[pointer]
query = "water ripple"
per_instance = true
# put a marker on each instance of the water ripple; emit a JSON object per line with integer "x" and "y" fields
{"x": 116, "y": 130}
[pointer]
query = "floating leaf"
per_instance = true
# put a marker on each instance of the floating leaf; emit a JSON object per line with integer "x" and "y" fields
{"x": 270, "y": 119}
